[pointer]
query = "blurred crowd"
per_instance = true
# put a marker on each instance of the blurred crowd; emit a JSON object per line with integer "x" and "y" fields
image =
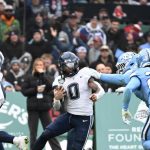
{"x": 45, "y": 29}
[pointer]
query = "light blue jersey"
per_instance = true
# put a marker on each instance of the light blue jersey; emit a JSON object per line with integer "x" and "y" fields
{"x": 143, "y": 74}
{"x": 140, "y": 81}
{"x": 121, "y": 79}
{"x": 118, "y": 79}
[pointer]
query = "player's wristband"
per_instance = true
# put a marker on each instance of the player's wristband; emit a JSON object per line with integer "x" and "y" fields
{"x": 55, "y": 99}
{"x": 125, "y": 107}
{"x": 101, "y": 92}
{"x": 94, "y": 73}
{"x": 56, "y": 104}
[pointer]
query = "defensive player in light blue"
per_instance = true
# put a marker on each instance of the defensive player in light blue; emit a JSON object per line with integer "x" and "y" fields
{"x": 126, "y": 65}
{"x": 140, "y": 80}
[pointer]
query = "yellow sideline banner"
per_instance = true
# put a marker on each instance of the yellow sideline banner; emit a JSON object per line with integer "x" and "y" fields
{"x": 111, "y": 132}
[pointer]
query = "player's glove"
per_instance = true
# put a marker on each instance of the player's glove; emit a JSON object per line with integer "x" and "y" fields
{"x": 93, "y": 73}
{"x": 126, "y": 116}
{"x": 120, "y": 90}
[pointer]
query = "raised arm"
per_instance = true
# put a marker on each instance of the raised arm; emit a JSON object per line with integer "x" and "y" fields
{"x": 133, "y": 84}
{"x": 119, "y": 79}
{"x": 131, "y": 87}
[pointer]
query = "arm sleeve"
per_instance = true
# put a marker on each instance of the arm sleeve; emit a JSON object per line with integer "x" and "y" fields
{"x": 56, "y": 104}
{"x": 119, "y": 79}
{"x": 131, "y": 87}
{"x": 101, "y": 92}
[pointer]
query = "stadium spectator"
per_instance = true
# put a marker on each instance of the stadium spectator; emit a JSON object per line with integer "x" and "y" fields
{"x": 61, "y": 39}
{"x": 101, "y": 68}
{"x": 79, "y": 12}
{"x": 147, "y": 42}
{"x": 26, "y": 61}
{"x": 37, "y": 88}
{"x": 92, "y": 29}
{"x": 105, "y": 21}
{"x": 96, "y": 43}
{"x": 81, "y": 52}
{"x": 71, "y": 29}
{"x": 103, "y": 12}
{"x": 131, "y": 44}
{"x": 38, "y": 46}
{"x": 12, "y": 47}
{"x": 135, "y": 29}
{"x": 8, "y": 22}
{"x": 71, "y": 26}
{"x": 36, "y": 6}
{"x": 61, "y": 42}
{"x": 107, "y": 68}
{"x": 36, "y": 24}
{"x": 50, "y": 67}
{"x": 116, "y": 36}
{"x": 2, "y": 7}
{"x": 15, "y": 75}
{"x": 105, "y": 57}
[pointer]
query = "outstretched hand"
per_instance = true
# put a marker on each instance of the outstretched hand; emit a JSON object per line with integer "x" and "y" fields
{"x": 126, "y": 116}
{"x": 120, "y": 90}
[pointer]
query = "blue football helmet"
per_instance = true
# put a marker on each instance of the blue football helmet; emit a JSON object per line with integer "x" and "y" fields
{"x": 133, "y": 64}
{"x": 123, "y": 60}
{"x": 144, "y": 57}
{"x": 68, "y": 64}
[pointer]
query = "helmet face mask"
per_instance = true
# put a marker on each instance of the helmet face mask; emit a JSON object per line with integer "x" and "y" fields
{"x": 120, "y": 67}
{"x": 68, "y": 64}
{"x": 123, "y": 61}
{"x": 144, "y": 58}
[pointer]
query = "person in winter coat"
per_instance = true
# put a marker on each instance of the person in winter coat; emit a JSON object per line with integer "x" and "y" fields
{"x": 12, "y": 47}
{"x": 92, "y": 29}
{"x": 15, "y": 74}
{"x": 38, "y": 46}
{"x": 8, "y": 22}
{"x": 37, "y": 88}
